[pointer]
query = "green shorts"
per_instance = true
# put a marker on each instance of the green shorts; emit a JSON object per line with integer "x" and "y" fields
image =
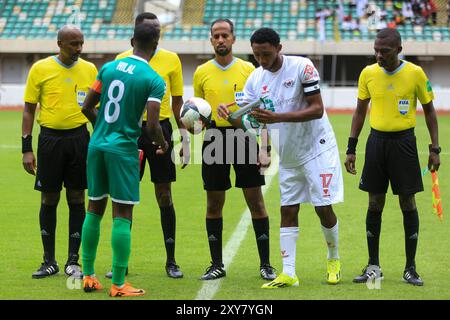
{"x": 115, "y": 175}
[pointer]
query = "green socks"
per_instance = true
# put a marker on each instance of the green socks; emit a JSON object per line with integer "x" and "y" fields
{"x": 121, "y": 244}
{"x": 89, "y": 238}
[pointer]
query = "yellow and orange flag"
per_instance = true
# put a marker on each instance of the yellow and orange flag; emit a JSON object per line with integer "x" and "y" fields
{"x": 437, "y": 205}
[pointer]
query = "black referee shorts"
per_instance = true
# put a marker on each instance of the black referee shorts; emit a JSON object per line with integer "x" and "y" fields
{"x": 216, "y": 175}
{"x": 162, "y": 168}
{"x": 391, "y": 157}
{"x": 61, "y": 158}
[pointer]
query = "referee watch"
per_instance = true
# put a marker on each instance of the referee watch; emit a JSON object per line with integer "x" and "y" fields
{"x": 434, "y": 150}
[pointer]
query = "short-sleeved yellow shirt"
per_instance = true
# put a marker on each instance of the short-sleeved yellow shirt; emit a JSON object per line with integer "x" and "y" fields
{"x": 394, "y": 95}
{"x": 167, "y": 65}
{"x": 60, "y": 90}
{"x": 217, "y": 84}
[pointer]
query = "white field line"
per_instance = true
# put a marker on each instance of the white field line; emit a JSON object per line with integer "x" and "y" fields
{"x": 210, "y": 287}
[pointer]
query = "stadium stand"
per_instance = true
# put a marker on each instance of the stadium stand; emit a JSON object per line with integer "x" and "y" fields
{"x": 40, "y": 19}
{"x": 320, "y": 20}
{"x": 301, "y": 20}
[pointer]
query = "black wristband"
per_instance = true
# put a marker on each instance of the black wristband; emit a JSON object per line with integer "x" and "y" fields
{"x": 351, "y": 146}
{"x": 434, "y": 150}
{"x": 27, "y": 144}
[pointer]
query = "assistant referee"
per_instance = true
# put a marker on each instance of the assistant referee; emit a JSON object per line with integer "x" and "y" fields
{"x": 393, "y": 86}
{"x": 59, "y": 84}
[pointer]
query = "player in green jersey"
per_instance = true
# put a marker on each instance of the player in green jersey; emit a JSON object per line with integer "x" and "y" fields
{"x": 124, "y": 89}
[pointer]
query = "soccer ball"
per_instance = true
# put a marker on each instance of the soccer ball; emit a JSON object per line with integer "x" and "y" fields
{"x": 195, "y": 114}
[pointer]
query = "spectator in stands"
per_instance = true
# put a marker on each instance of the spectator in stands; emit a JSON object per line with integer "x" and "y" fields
{"x": 425, "y": 11}
{"x": 349, "y": 23}
{"x": 417, "y": 7}
{"x": 448, "y": 13}
{"x": 432, "y": 10}
{"x": 382, "y": 23}
{"x": 392, "y": 24}
{"x": 361, "y": 7}
{"x": 419, "y": 20}
{"x": 407, "y": 12}
{"x": 398, "y": 6}
{"x": 398, "y": 18}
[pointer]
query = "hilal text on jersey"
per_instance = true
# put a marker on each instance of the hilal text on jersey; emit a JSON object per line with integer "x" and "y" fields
{"x": 124, "y": 67}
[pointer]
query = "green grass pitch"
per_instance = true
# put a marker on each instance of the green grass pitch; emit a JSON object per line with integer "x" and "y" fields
{"x": 21, "y": 249}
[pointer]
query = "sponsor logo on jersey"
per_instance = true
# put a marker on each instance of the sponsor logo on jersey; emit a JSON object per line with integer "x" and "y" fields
{"x": 265, "y": 90}
{"x": 289, "y": 83}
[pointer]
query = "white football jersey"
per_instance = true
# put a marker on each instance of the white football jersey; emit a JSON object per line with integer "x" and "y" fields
{"x": 285, "y": 91}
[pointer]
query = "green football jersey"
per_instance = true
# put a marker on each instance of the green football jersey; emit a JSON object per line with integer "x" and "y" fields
{"x": 125, "y": 86}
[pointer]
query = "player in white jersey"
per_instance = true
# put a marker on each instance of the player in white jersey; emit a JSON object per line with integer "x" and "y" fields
{"x": 310, "y": 170}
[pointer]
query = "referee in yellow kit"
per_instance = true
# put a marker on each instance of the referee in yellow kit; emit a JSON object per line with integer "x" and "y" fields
{"x": 393, "y": 86}
{"x": 59, "y": 84}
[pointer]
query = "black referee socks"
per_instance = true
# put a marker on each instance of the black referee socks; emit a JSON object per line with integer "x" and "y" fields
{"x": 168, "y": 224}
{"x": 373, "y": 230}
{"x": 411, "y": 226}
{"x": 77, "y": 213}
{"x": 214, "y": 230}
{"x": 261, "y": 228}
{"x": 47, "y": 222}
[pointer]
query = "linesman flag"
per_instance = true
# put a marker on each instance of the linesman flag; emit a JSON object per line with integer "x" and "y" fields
{"x": 437, "y": 205}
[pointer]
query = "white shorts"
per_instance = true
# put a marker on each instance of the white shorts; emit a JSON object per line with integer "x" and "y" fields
{"x": 319, "y": 181}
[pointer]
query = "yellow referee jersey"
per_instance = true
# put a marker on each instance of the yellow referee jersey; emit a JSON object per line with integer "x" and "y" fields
{"x": 394, "y": 95}
{"x": 167, "y": 65}
{"x": 217, "y": 84}
{"x": 60, "y": 90}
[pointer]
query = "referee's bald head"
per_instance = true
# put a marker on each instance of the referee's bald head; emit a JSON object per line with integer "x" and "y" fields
{"x": 68, "y": 31}
{"x": 70, "y": 42}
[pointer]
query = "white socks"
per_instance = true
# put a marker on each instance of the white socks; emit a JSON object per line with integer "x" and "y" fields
{"x": 331, "y": 237}
{"x": 288, "y": 246}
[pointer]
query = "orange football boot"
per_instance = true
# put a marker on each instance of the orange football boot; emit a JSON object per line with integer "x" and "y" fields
{"x": 126, "y": 291}
{"x": 91, "y": 284}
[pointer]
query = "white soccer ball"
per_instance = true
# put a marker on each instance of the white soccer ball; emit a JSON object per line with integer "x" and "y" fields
{"x": 195, "y": 114}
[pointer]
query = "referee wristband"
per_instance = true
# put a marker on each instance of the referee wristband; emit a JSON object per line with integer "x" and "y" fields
{"x": 351, "y": 146}
{"x": 27, "y": 144}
